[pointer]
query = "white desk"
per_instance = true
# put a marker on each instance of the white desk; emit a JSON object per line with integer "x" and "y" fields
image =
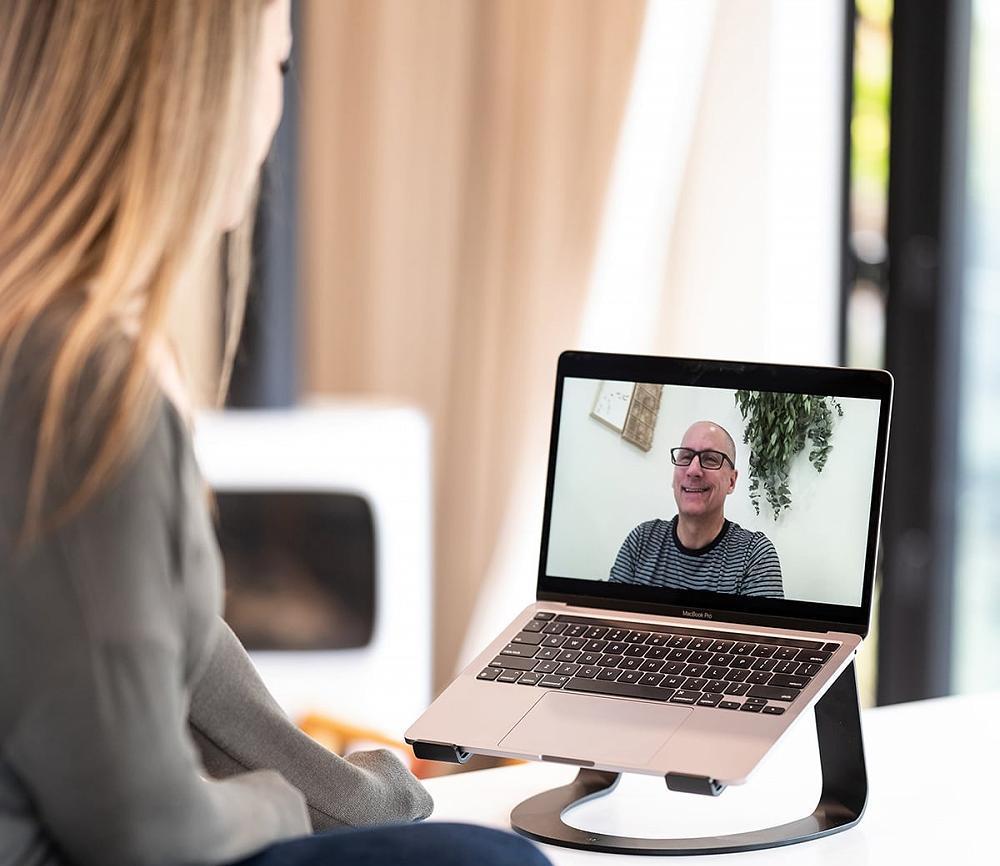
{"x": 933, "y": 768}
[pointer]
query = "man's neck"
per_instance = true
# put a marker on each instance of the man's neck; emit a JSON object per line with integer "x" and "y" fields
{"x": 695, "y": 533}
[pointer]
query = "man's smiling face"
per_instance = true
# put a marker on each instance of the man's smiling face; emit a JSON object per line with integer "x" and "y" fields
{"x": 702, "y": 492}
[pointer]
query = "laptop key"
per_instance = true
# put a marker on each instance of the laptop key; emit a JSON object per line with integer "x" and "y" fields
{"x": 701, "y": 658}
{"x": 513, "y": 663}
{"x": 813, "y": 657}
{"x": 630, "y": 664}
{"x": 758, "y": 677}
{"x": 610, "y": 661}
{"x": 658, "y": 640}
{"x": 804, "y": 670}
{"x": 567, "y": 670}
{"x": 651, "y": 666}
{"x": 596, "y": 646}
{"x": 656, "y": 652}
{"x": 574, "y": 643}
{"x": 764, "y": 664}
{"x": 636, "y": 650}
{"x": 650, "y": 679}
{"x": 617, "y": 634}
{"x": 718, "y": 686}
{"x": 721, "y": 646}
{"x": 790, "y": 667}
{"x": 679, "y": 655}
{"x": 544, "y": 614}
{"x": 700, "y": 643}
{"x": 589, "y": 658}
{"x": 629, "y": 677}
{"x": 553, "y": 682}
{"x": 588, "y": 672}
{"x": 744, "y": 648}
{"x": 575, "y": 630}
{"x": 616, "y": 648}
{"x": 547, "y": 653}
{"x": 678, "y": 641}
{"x": 595, "y": 632}
{"x": 737, "y": 689}
{"x": 729, "y": 705}
{"x": 673, "y": 667}
{"x": 695, "y": 684}
{"x": 772, "y": 710}
{"x": 636, "y": 637}
{"x": 546, "y": 667}
{"x": 831, "y": 647}
{"x": 535, "y": 625}
{"x": 792, "y": 682}
{"x": 751, "y": 708}
{"x": 521, "y": 650}
{"x": 553, "y": 640}
{"x": 619, "y": 689}
{"x": 763, "y": 651}
{"x": 709, "y": 699}
{"x": 723, "y": 660}
{"x": 685, "y": 697}
{"x": 568, "y": 656}
{"x": 489, "y": 673}
{"x": 785, "y": 653}
{"x": 608, "y": 674}
{"x": 774, "y": 693}
{"x": 554, "y": 628}
{"x": 695, "y": 670}
{"x": 743, "y": 662}
{"x": 509, "y": 676}
{"x": 673, "y": 682}
{"x": 527, "y": 637}
{"x": 736, "y": 676}
{"x": 530, "y": 678}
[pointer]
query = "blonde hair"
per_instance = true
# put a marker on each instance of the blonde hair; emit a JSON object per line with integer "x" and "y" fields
{"x": 122, "y": 127}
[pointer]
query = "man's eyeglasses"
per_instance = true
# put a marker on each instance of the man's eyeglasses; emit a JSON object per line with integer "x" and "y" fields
{"x": 708, "y": 459}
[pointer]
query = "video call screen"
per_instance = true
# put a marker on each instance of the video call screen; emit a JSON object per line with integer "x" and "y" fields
{"x": 759, "y": 494}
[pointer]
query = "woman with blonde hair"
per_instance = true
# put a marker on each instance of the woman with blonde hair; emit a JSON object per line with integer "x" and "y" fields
{"x": 133, "y": 726}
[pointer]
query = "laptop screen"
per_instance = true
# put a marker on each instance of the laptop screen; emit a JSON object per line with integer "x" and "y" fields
{"x": 732, "y": 488}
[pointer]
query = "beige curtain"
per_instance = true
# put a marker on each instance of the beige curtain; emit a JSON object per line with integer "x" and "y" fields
{"x": 455, "y": 159}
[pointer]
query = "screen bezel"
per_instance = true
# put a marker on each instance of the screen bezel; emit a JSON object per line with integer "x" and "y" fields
{"x": 821, "y": 381}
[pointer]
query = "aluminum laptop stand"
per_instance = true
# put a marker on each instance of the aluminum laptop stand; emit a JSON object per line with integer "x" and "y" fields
{"x": 841, "y": 803}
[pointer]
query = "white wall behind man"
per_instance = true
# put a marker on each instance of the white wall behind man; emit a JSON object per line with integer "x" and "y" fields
{"x": 606, "y": 486}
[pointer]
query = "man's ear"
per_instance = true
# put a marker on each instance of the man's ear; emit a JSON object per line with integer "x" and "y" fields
{"x": 732, "y": 481}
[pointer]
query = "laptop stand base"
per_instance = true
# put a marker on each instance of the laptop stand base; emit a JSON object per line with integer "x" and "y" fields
{"x": 841, "y": 802}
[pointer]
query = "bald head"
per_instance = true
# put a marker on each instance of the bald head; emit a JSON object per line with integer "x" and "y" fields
{"x": 716, "y": 433}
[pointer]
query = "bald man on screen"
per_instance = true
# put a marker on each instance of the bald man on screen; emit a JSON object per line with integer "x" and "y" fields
{"x": 699, "y": 548}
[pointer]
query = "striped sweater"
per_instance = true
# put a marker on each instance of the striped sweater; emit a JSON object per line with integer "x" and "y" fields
{"x": 738, "y": 561}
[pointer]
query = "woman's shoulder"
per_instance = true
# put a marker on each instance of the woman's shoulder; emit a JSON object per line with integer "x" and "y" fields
{"x": 149, "y": 455}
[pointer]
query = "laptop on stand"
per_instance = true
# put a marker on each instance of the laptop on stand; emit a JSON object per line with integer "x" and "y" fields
{"x": 707, "y": 562}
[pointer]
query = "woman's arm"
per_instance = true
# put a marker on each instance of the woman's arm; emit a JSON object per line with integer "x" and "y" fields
{"x": 96, "y": 638}
{"x": 238, "y": 726}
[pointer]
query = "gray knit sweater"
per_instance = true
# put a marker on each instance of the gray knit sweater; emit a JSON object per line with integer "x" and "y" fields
{"x": 133, "y": 727}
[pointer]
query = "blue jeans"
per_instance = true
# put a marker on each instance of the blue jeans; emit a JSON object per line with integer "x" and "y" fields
{"x": 429, "y": 844}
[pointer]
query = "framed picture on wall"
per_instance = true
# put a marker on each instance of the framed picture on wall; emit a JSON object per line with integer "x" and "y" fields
{"x": 612, "y": 403}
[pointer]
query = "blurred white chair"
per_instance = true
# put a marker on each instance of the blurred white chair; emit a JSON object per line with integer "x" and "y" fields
{"x": 381, "y": 453}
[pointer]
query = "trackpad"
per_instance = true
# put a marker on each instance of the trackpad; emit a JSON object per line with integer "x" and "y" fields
{"x": 588, "y": 728}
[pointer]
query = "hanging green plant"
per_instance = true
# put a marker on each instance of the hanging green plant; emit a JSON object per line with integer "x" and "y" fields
{"x": 776, "y": 427}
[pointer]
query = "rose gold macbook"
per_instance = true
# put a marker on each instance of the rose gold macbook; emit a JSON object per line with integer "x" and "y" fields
{"x": 707, "y": 560}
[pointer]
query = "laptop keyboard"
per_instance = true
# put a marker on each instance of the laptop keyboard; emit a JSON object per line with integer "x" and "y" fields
{"x": 697, "y": 667}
